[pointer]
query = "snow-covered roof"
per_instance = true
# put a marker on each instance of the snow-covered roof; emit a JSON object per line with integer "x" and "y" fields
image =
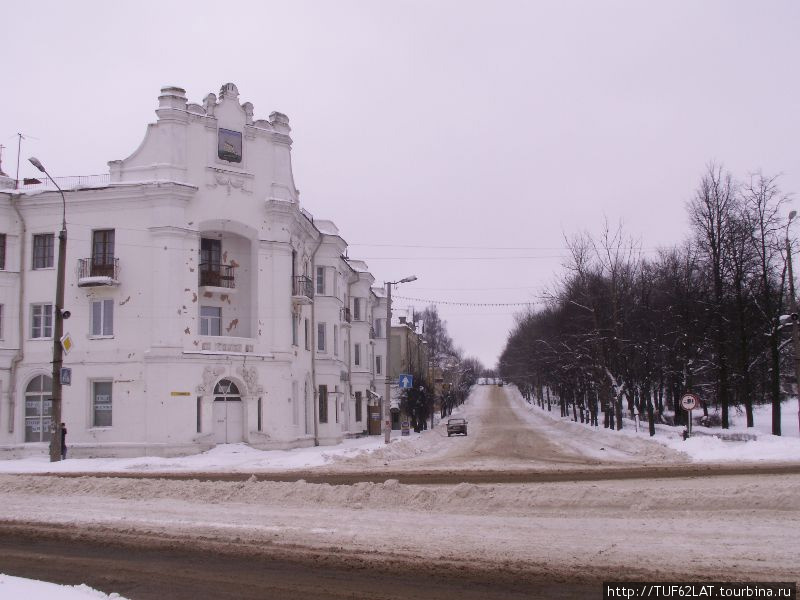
{"x": 358, "y": 265}
{"x": 326, "y": 227}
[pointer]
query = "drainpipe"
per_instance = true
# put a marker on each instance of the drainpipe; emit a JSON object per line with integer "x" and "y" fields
{"x": 314, "y": 339}
{"x": 12, "y": 376}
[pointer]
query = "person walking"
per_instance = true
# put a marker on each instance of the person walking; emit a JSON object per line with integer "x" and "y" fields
{"x": 63, "y": 442}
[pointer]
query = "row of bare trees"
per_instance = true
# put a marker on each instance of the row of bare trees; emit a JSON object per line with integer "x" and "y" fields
{"x": 625, "y": 332}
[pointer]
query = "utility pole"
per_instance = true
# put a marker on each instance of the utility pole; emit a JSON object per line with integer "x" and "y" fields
{"x": 58, "y": 330}
{"x": 793, "y": 304}
{"x": 387, "y": 414}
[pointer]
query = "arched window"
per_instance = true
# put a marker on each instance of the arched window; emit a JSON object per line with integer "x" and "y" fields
{"x": 226, "y": 388}
{"x": 38, "y": 409}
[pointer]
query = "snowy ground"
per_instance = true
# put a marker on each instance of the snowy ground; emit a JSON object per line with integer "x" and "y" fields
{"x": 711, "y": 528}
{"x": 703, "y": 446}
{"x": 17, "y": 588}
{"x": 432, "y": 447}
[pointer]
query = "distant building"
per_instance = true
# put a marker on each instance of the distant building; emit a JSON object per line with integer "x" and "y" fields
{"x": 207, "y": 306}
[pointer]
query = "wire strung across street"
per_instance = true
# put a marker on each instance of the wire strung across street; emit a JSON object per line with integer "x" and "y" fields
{"x": 451, "y": 303}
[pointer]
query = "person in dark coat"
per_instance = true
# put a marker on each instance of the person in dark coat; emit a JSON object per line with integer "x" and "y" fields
{"x": 63, "y": 442}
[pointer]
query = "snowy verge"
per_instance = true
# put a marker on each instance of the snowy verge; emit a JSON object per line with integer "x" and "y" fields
{"x": 31, "y": 589}
{"x": 704, "y": 447}
{"x": 239, "y": 458}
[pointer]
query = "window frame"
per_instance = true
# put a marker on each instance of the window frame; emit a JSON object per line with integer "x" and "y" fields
{"x": 94, "y": 403}
{"x": 320, "y": 281}
{"x": 323, "y": 403}
{"x": 43, "y": 326}
{"x": 336, "y": 340}
{"x": 207, "y": 320}
{"x": 356, "y": 308}
{"x": 49, "y": 251}
{"x": 379, "y": 364}
{"x": 3, "y": 242}
{"x": 104, "y": 303}
{"x": 357, "y": 354}
{"x": 321, "y": 335}
{"x": 306, "y": 333}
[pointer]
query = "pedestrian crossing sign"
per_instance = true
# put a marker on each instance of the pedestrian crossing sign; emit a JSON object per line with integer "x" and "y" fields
{"x": 405, "y": 381}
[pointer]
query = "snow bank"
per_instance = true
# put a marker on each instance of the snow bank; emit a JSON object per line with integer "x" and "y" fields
{"x": 703, "y": 447}
{"x": 226, "y": 457}
{"x": 712, "y": 449}
{"x": 31, "y": 589}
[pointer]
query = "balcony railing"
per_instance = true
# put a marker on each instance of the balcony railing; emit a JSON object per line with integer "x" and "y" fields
{"x": 98, "y": 271}
{"x": 346, "y": 315}
{"x": 217, "y": 275}
{"x": 302, "y": 286}
{"x": 371, "y": 332}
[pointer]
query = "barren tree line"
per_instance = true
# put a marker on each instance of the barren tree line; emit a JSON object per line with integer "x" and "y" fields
{"x": 628, "y": 333}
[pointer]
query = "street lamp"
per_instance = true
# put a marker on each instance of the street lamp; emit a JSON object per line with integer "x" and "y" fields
{"x": 387, "y": 415}
{"x": 793, "y": 304}
{"x": 58, "y": 331}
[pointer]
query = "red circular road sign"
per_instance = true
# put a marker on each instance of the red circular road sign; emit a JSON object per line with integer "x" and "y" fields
{"x": 689, "y": 401}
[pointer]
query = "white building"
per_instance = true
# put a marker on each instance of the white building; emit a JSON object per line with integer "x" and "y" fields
{"x": 206, "y": 306}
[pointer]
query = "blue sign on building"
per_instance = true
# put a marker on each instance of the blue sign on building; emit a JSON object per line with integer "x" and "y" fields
{"x": 405, "y": 381}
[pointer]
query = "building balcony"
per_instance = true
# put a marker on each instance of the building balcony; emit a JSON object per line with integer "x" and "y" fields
{"x": 372, "y": 335}
{"x": 302, "y": 289}
{"x": 346, "y": 317}
{"x": 217, "y": 275}
{"x": 98, "y": 271}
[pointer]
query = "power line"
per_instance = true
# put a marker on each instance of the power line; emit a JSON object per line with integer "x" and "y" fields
{"x": 452, "y": 303}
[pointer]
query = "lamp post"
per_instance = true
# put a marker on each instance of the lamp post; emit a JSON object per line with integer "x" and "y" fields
{"x": 58, "y": 329}
{"x": 793, "y": 304}
{"x": 387, "y": 414}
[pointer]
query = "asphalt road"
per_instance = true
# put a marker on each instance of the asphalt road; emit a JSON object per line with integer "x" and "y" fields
{"x": 157, "y": 569}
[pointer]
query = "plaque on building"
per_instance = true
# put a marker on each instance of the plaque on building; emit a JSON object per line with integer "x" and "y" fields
{"x": 229, "y": 145}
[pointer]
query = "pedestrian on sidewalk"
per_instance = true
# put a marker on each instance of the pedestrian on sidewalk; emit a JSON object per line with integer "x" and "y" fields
{"x": 63, "y": 442}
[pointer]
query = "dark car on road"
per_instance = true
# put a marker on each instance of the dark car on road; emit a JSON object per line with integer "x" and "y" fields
{"x": 456, "y": 426}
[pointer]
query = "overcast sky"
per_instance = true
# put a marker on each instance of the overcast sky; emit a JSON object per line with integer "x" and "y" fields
{"x": 419, "y": 125}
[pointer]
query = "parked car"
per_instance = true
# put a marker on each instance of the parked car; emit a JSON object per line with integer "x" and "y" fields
{"x": 456, "y": 426}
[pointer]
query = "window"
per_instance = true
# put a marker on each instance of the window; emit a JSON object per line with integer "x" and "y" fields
{"x": 41, "y": 321}
{"x": 379, "y": 364}
{"x": 210, "y": 262}
{"x": 103, "y": 253}
{"x": 379, "y": 328}
{"x": 1, "y": 321}
{"x": 321, "y": 337}
{"x": 101, "y": 404}
{"x": 305, "y": 334}
{"x": 260, "y": 415}
{"x": 103, "y": 317}
{"x": 321, "y": 281}
{"x": 357, "y": 354}
{"x": 43, "y": 248}
{"x": 294, "y": 330}
{"x": 210, "y": 320}
{"x": 199, "y": 414}
{"x": 336, "y": 401}
{"x": 358, "y": 407}
{"x": 38, "y": 409}
{"x": 335, "y": 340}
{"x": 323, "y": 403}
{"x": 356, "y": 309}
{"x": 2, "y": 251}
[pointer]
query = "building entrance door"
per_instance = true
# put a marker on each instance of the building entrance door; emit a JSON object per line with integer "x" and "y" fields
{"x": 228, "y": 413}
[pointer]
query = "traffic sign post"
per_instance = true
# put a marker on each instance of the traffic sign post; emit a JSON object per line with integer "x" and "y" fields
{"x": 689, "y": 402}
{"x": 405, "y": 381}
